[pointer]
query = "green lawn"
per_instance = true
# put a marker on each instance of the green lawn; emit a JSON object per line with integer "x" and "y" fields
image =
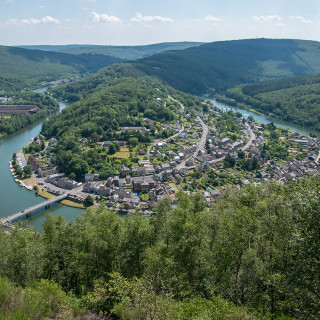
{"x": 122, "y": 154}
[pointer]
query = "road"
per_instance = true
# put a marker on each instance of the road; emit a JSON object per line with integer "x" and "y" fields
{"x": 180, "y": 104}
{"x": 157, "y": 141}
{"x": 175, "y": 135}
{"x": 252, "y": 137}
{"x": 200, "y": 145}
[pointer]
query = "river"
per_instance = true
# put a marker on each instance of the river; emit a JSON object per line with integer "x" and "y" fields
{"x": 264, "y": 119}
{"x": 14, "y": 198}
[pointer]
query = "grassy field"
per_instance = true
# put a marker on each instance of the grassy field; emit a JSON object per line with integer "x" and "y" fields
{"x": 122, "y": 154}
{"x": 44, "y": 194}
{"x": 73, "y": 204}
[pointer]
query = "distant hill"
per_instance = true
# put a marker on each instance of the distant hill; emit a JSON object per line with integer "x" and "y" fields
{"x": 222, "y": 65}
{"x": 292, "y": 99}
{"x": 22, "y": 67}
{"x": 122, "y": 52}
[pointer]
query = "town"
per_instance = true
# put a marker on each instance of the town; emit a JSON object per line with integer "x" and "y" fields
{"x": 207, "y": 152}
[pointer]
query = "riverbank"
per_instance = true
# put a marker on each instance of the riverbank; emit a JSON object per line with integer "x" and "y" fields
{"x": 260, "y": 118}
{"x": 46, "y": 195}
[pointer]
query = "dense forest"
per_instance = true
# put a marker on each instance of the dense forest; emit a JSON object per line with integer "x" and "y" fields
{"x": 293, "y": 99}
{"x": 221, "y": 65}
{"x": 16, "y": 122}
{"x": 122, "y": 52}
{"x": 257, "y": 248}
{"x": 24, "y": 68}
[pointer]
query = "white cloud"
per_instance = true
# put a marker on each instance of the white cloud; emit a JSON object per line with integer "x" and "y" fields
{"x": 270, "y": 18}
{"x": 49, "y": 19}
{"x": 140, "y": 18}
{"x": 212, "y": 19}
{"x": 33, "y": 21}
{"x": 96, "y": 17}
{"x": 42, "y": 7}
{"x": 12, "y": 21}
{"x": 302, "y": 19}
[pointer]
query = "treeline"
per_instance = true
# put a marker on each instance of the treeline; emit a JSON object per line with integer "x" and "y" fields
{"x": 257, "y": 248}
{"x": 16, "y": 122}
{"x": 293, "y": 99}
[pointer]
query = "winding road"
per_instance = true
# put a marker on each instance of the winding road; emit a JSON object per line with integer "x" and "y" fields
{"x": 175, "y": 135}
{"x": 200, "y": 144}
{"x": 252, "y": 137}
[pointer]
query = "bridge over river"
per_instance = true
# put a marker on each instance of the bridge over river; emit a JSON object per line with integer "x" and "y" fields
{"x": 29, "y": 212}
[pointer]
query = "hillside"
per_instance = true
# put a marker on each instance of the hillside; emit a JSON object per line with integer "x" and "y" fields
{"x": 292, "y": 99}
{"x": 252, "y": 248}
{"x": 22, "y": 67}
{"x": 221, "y": 65}
{"x": 122, "y": 52}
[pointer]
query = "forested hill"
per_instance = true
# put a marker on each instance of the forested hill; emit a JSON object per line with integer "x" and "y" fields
{"x": 22, "y": 67}
{"x": 292, "y": 99}
{"x": 221, "y": 65}
{"x": 122, "y": 52}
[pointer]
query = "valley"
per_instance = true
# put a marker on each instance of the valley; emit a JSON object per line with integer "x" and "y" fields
{"x": 195, "y": 208}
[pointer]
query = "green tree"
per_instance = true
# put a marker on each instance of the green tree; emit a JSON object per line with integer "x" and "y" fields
{"x": 112, "y": 149}
{"x": 27, "y": 170}
{"x": 88, "y": 201}
{"x": 133, "y": 141}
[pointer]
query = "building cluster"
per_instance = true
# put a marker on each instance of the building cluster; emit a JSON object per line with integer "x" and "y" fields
{"x": 146, "y": 184}
{"x": 11, "y": 109}
{"x": 56, "y": 82}
{"x": 43, "y": 169}
{"x": 6, "y": 99}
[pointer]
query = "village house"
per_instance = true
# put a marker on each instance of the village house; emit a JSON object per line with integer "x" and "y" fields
{"x": 224, "y": 141}
{"x": 116, "y": 181}
{"x": 143, "y": 183}
{"x": 67, "y": 183}
{"x": 83, "y": 140}
{"x": 91, "y": 176}
{"x": 144, "y": 162}
{"x": 138, "y": 171}
{"x": 46, "y": 171}
{"x": 35, "y": 164}
{"x": 109, "y": 182}
{"x": 142, "y": 129}
{"x": 125, "y": 171}
{"x": 190, "y": 162}
{"x": 161, "y": 145}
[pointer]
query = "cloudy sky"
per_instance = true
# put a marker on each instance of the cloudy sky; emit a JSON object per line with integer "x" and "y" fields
{"x": 132, "y": 22}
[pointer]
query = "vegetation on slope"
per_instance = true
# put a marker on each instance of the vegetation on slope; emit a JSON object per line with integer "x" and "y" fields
{"x": 105, "y": 104}
{"x": 221, "y": 65}
{"x": 258, "y": 247}
{"x": 293, "y": 99}
{"x": 22, "y": 67}
{"x": 122, "y": 52}
{"x": 16, "y": 122}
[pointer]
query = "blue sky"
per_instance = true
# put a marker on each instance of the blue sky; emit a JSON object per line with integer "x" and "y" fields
{"x": 133, "y": 22}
